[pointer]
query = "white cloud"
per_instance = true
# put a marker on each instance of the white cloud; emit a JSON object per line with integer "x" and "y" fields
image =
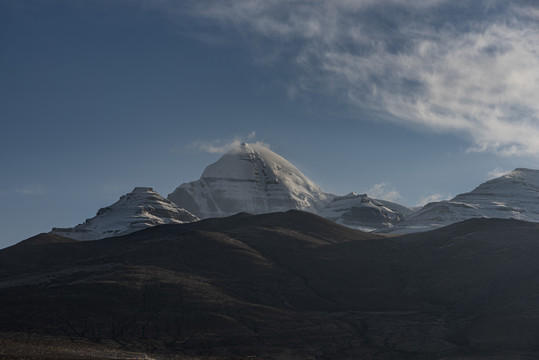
{"x": 384, "y": 191}
{"x": 482, "y": 84}
{"x": 221, "y": 146}
{"x": 432, "y": 198}
{"x": 31, "y": 189}
{"x": 496, "y": 172}
{"x": 216, "y": 146}
{"x": 418, "y": 63}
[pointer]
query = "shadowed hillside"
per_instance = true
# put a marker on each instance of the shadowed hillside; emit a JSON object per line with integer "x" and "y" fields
{"x": 280, "y": 285}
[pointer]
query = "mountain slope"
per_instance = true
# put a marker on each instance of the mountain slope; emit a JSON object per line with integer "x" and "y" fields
{"x": 511, "y": 196}
{"x": 283, "y": 285}
{"x": 249, "y": 178}
{"x": 137, "y": 210}
{"x": 363, "y": 212}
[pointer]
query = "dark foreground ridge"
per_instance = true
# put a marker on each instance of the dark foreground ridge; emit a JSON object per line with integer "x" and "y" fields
{"x": 275, "y": 286}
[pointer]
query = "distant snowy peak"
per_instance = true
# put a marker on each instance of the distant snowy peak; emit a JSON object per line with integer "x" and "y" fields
{"x": 362, "y": 212}
{"x": 513, "y": 195}
{"x": 137, "y": 210}
{"x": 250, "y": 178}
{"x": 515, "y": 183}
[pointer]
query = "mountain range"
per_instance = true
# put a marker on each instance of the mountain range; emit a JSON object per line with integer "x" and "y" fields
{"x": 251, "y": 178}
{"x": 223, "y": 269}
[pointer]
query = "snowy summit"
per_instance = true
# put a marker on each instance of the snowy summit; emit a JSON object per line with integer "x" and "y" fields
{"x": 362, "y": 212}
{"x": 135, "y": 211}
{"x": 250, "y": 178}
{"x": 514, "y": 195}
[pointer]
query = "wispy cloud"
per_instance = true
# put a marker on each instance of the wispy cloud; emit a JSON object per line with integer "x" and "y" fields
{"x": 221, "y": 146}
{"x": 466, "y": 67}
{"x": 216, "y": 146}
{"x": 434, "y": 197}
{"x": 30, "y": 189}
{"x": 384, "y": 191}
{"x": 496, "y": 172}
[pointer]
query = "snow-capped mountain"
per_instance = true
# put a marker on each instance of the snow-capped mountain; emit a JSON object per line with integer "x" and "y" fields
{"x": 137, "y": 210}
{"x": 253, "y": 179}
{"x": 513, "y": 195}
{"x": 364, "y": 213}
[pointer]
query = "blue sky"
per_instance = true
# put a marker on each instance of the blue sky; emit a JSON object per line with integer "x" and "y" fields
{"x": 407, "y": 100}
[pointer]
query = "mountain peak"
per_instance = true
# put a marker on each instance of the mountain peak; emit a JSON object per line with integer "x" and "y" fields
{"x": 514, "y": 195}
{"x": 139, "y": 209}
{"x": 359, "y": 211}
{"x": 250, "y": 178}
{"x": 352, "y": 195}
{"x": 526, "y": 170}
{"x": 250, "y": 161}
{"x": 527, "y": 175}
{"x": 142, "y": 189}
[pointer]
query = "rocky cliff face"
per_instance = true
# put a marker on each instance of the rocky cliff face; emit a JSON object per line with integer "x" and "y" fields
{"x": 249, "y": 178}
{"x": 137, "y": 210}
